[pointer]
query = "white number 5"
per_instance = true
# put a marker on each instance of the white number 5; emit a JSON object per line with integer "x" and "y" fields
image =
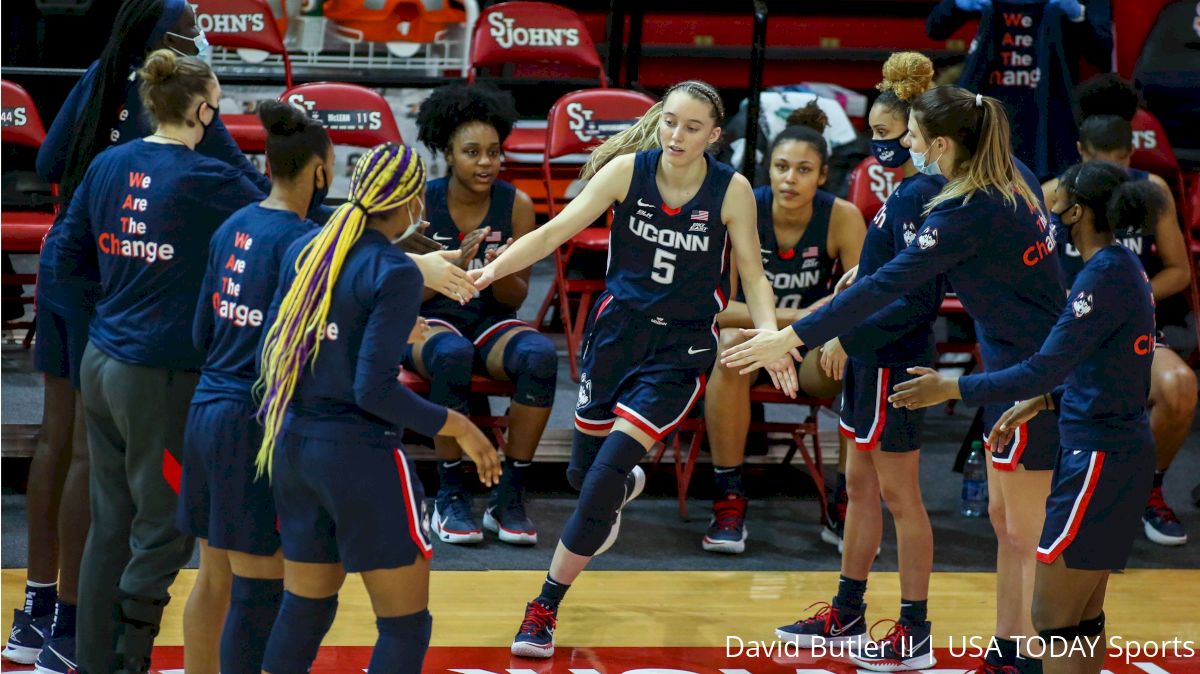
{"x": 664, "y": 269}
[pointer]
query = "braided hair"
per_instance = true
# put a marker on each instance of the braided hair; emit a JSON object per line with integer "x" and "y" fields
{"x": 386, "y": 178}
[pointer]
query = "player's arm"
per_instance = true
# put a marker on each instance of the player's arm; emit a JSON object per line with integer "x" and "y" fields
{"x": 609, "y": 185}
{"x": 1168, "y": 238}
{"x": 739, "y": 213}
{"x": 512, "y": 289}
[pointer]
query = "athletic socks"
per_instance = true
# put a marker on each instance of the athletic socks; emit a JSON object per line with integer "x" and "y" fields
{"x": 1158, "y": 477}
{"x": 402, "y": 643}
{"x": 452, "y": 474}
{"x": 914, "y": 612}
{"x": 64, "y": 620}
{"x": 253, "y": 608}
{"x": 728, "y": 480}
{"x": 296, "y": 636}
{"x": 850, "y": 594}
{"x": 552, "y": 593}
{"x": 40, "y": 598}
{"x": 513, "y": 478}
{"x": 1003, "y": 654}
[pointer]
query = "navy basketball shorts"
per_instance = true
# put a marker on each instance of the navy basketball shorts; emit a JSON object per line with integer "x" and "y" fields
{"x": 219, "y": 497}
{"x": 481, "y": 333}
{"x": 1095, "y": 507}
{"x": 358, "y": 502}
{"x": 61, "y": 340}
{"x": 643, "y": 369}
{"x": 1034, "y": 444}
{"x": 868, "y": 418}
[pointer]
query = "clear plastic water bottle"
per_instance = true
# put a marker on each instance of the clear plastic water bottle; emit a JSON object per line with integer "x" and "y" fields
{"x": 974, "y": 489}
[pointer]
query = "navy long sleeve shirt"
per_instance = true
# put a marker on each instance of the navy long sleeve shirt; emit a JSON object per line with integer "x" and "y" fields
{"x": 244, "y": 262}
{"x": 998, "y": 257}
{"x": 1102, "y": 346}
{"x": 350, "y": 388}
{"x": 140, "y": 225}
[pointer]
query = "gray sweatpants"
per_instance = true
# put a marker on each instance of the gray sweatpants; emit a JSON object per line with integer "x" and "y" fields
{"x": 135, "y": 421}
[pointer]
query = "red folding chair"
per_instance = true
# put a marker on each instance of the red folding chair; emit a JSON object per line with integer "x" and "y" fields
{"x": 22, "y": 231}
{"x": 871, "y": 184}
{"x": 245, "y": 24}
{"x": 480, "y": 385}
{"x": 540, "y": 41}
{"x": 578, "y": 123}
{"x": 352, "y": 115}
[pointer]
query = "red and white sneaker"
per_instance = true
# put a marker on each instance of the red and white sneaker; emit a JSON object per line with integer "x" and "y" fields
{"x": 904, "y": 648}
{"x": 828, "y": 626}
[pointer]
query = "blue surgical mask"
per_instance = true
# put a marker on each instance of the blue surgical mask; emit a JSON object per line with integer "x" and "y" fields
{"x": 919, "y": 162}
{"x": 201, "y": 42}
{"x": 890, "y": 152}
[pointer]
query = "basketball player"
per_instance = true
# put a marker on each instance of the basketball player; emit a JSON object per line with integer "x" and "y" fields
{"x": 987, "y": 231}
{"x": 333, "y": 410}
{"x": 1102, "y": 346}
{"x": 653, "y": 337}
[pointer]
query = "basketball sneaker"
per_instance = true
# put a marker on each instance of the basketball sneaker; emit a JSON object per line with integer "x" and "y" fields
{"x": 727, "y": 530}
{"x": 905, "y": 647}
{"x": 989, "y": 668}
{"x": 26, "y": 637}
{"x": 635, "y": 482}
{"x": 832, "y": 625}
{"x": 535, "y": 638}
{"x": 506, "y": 517}
{"x": 1160, "y": 523}
{"x": 58, "y": 656}
{"x": 452, "y": 521}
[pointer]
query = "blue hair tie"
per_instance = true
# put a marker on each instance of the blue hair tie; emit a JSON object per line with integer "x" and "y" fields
{"x": 172, "y": 10}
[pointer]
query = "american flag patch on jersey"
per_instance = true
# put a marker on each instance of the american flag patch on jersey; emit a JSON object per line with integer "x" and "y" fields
{"x": 811, "y": 251}
{"x": 493, "y": 237}
{"x": 700, "y": 216}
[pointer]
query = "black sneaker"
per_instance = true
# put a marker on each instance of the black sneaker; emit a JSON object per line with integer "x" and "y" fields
{"x": 506, "y": 517}
{"x": 830, "y": 624}
{"x": 727, "y": 530}
{"x": 26, "y": 637}
{"x": 452, "y": 520}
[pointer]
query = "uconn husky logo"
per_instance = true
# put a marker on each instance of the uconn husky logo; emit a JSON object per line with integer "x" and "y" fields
{"x": 1082, "y": 304}
{"x": 927, "y": 239}
{"x": 508, "y": 35}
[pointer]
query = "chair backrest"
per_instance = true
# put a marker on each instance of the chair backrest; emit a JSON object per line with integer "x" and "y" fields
{"x": 581, "y": 120}
{"x": 244, "y": 24}
{"x": 352, "y": 115}
{"x": 1151, "y": 149}
{"x": 871, "y": 184}
{"x": 19, "y": 118}
{"x": 1131, "y": 25}
{"x": 533, "y": 32}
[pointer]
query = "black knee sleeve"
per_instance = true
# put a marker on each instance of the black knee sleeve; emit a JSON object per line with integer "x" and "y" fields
{"x": 584, "y": 449}
{"x": 448, "y": 358}
{"x": 532, "y": 364}
{"x": 1092, "y": 626}
{"x": 602, "y": 494}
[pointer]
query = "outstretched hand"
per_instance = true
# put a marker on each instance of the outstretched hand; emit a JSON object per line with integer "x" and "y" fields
{"x": 929, "y": 388}
{"x": 1002, "y": 433}
{"x": 761, "y": 348}
{"x": 442, "y": 274}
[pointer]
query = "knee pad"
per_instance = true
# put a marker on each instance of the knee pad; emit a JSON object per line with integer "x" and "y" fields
{"x": 1068, "y": 633}
{"x": 448, "y": 358}
{"x": 1092, "y": 626}
{"x": 402, "y": 643}
{"x": 584, "y": 449}
{"x": 531, "y": 362}
{"x": 602, "y": 495}
{"x": 138, "y": 622}
{"x": 297, "y": 634}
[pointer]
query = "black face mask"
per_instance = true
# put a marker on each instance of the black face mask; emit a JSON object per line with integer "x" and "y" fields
{"x": 318, "y": 193}
{"x": 216, "y": 116}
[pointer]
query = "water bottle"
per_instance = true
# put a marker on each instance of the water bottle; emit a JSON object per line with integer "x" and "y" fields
{"x": 974, "y": 488}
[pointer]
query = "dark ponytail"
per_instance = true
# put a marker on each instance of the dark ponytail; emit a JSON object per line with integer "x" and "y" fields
{"x": 133, "y": 30}
{"x": 293, "y": 138}
{"x": 1117, "y": 202}
{"x": 805, "y": 125}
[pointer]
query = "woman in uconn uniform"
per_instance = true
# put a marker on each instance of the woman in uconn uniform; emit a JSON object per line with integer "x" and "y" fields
{"x": 1108, "y": 104}
{"x": 887, "y": 462}
{"x": 803, "y": 232}
{"x": 986, "y": 231}
{"x": 140, "y": 223}
{"x": 473, "y": 211}
{"x": 1102, "y": 346}
{"x": 653, "y": 337}
{"x": 333, "y": 413}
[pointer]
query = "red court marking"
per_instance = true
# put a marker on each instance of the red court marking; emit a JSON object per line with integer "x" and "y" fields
{"x": 447, "y": 660}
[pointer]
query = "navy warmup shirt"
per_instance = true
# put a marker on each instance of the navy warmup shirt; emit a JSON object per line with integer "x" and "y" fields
{"x": 1103, "y": 345}
{"x": 351, "y": 388}
{"x": 670, "y": 263}
{"x": 902, "y": 332}
{"x": 244, "y": 261}
{"x": 140, "y": 224}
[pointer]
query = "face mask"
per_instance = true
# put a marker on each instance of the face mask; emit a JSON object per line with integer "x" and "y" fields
{"x": 1059, "y": 227}
{"x": 318, "y": 194}
{"x": 890, "y": 152}
{"x": 928, "y": 168}
{"x": 416, "y": 224}
{"x": 200, "y": 41}
{"x": 216, "y": 115}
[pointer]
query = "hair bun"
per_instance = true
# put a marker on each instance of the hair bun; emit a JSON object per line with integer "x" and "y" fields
{"x": 160, "y": 66}
{"x": 907, "y": 74}
{"x": 281, "y": 119}
{"x": 1107, "y": 94}
{"x": 810, "y": 115}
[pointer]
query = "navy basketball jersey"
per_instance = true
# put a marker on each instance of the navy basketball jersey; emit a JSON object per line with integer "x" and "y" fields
{"x": 1141, "y": 243}
{"x": 443, "y": 230}
{"x": 668, "y": 263}
{"x": 803, "y": 273}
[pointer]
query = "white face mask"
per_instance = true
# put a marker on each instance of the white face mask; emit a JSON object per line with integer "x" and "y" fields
{"x": 416, "y": 224}
{"x": 201, "y": 42}
{"x": 929, "y": 168}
